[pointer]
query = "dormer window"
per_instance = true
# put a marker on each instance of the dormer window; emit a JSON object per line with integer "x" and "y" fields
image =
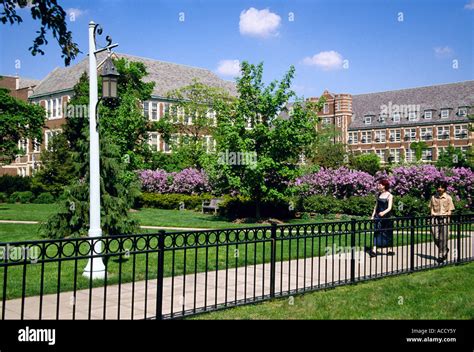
{"x": 444, "y": 113}
{"x": 462, "y": 112}
{"x": 396, "y": 117}
{"x": 412, "y": 116}
{"x": 428, "y": 114}
{"x": 382, "y": 118}
{"x": 368, "y": 120}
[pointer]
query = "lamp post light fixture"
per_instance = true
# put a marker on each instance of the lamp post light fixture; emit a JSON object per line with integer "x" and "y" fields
{"x": 95, "y": 267}
{"x": 109, "y": 79}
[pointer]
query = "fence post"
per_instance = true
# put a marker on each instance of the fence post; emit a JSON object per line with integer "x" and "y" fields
{"x": 412, "y": 243}
{"x": 353, "y": 243}
{"x": 458, "y": 228}
{"x": 273, "y": 260}
{"x": 160, "y": 274}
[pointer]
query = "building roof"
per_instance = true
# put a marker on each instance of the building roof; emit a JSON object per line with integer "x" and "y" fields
{"x": 437, "y": 97}
{"x": 166, "y": 75}
{"x": 28, "y": 82}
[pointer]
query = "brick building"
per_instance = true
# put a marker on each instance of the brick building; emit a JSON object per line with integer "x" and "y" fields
{"x": 56, "y": 89}
{"x": 20, "y": 88}
{"x": 386, "y": 123}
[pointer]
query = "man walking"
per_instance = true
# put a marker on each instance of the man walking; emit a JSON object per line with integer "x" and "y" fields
{"x": 441, "y": 206}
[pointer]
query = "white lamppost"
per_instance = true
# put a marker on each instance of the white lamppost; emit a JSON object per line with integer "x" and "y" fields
{"x": 95, "y": 268}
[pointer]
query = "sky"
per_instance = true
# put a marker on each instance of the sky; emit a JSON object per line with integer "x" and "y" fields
{"x": 344, "y": 46}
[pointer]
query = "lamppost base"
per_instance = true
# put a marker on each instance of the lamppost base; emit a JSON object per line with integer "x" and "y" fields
{"x": 98, "y": 271}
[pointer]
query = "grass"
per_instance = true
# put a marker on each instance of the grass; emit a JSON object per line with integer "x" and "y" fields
{"x": 145, "y": 216}
{"x": 444, "y": 293}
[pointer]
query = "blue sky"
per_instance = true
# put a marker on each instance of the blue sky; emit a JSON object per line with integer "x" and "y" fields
{"x": 345, "y": 46}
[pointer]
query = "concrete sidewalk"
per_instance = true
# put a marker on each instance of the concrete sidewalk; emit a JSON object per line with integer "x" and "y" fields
{"x": 199, "y": 290}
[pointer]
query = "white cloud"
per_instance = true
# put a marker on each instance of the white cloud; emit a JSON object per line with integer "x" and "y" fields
{"x": 229, "y": 68}
{"x": 75, "y": 12}
{"x": 259, "y": 23}
{"x": 469, "y": 5}
{"x": 327, "y": 60}
{"x": 443, "y": 52}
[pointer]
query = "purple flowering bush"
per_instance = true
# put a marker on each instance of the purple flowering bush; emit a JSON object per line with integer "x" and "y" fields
{"x": 339, "y": 183}
{"x": 187, "y": 181}
{"x": 417, "y": 181}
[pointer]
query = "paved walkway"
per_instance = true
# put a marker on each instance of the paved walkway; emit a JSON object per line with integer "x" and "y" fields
{"x": 194, "y": 291}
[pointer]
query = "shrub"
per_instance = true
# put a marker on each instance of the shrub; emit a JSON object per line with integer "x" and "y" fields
{"x": 410, "y": 206}
{"x": 322, "y": 205}
{"x": 339, "y": 183}
{"x": 359, "y": 206}
{"x": 21, "y": 197}
{"x": 3, "y": 197}
{"x": 187, "y": 181}
{"x": 369, "y": 163}
{"x": 242, "y": 207}
{"x": 10, "y": 184}
{"x": 172, "y": 200}
{"x": 44, "y": 198}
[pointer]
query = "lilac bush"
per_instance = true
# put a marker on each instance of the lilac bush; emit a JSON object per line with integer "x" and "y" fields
{"x": 187, "y": 181}
{"x": 190, "y": 181}
{"x": 340, "y": 183}
{"x": 417, "y": 180}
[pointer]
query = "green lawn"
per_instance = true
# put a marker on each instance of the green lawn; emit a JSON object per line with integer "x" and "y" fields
{"x": 445, "y": 293}
{"x": 146, "y": 216}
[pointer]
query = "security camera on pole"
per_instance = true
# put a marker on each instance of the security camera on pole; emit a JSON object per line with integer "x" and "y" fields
{"x": 95, "y": 268}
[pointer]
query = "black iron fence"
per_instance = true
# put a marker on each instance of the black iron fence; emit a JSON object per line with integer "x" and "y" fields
{"x": 174, "y": 274}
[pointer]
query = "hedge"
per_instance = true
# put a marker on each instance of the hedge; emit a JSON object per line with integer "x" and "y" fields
{"x": 172, "y": 200}
{"x": 21, "y": 197}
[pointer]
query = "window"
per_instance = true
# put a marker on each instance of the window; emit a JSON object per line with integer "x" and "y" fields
{"x": 23, "y": 145}
{"x": 410, "y": 155}
{"x": 146, "y": 109}
{"x": 209, "y": 144}
{"x": 426, "y": 133}
{"x": 427, "y": 154}
{"x": 462, "y": 112}
{"x": 211, "y": 115}
{"x": 367, "y": 120}
{"x": 154, "y": 141}
{"x": 443, "y": 132}
{"x": 412, "y": 116}
{"x": 36, "y": 146}
{"x": 154, "y": 111}
{"x": 428, "y": 114}
{"x": 444, "y": 113}
{"x": 338, "y": 105}
{"x": 460, "y": 132}
{"x": 366, "y": 137}
{"x": 48, "y": 136}
{"x": 395, "y": 135}
{"x": 382, "y": 118}
{"x": 326, "y": 121}
{"x": 180, "y": 113}
{"x": 326, "y": 108}
{"x": 380, "y": 136}
{"x": 381, "y": 154}
{"x": 395, "y": 155}
{"x": 353, "y": 138}
{"x": 410, "y": 134}
{"x": 396, "y": 117}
